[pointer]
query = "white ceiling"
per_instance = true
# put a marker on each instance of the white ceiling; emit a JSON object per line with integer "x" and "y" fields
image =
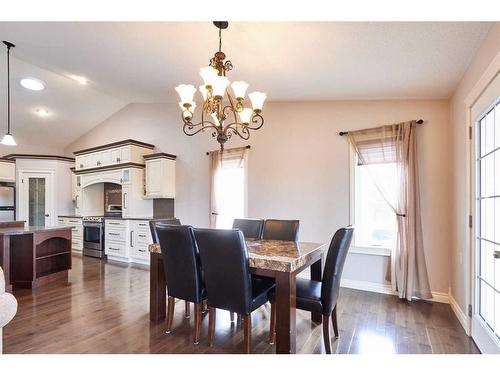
{"x": 73, "y": 109}
{"x": 143, "y": 62}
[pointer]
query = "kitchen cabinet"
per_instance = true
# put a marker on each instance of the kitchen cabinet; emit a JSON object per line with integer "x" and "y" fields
{"x": 115, "y": 239}
{"x": 141, "y": 238}
{"x": 160, "y": 176}
{"x": 76, "y": 231}
{"x": 128, "y": 151}
{"x": 7, "y": 170}
{"x": 127, "y": 240}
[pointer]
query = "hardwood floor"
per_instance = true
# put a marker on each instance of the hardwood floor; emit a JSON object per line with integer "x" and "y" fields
{"x": 104, "y": 309}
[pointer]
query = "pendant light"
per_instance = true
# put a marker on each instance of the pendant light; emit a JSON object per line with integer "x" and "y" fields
{"x": 8, "y": 139}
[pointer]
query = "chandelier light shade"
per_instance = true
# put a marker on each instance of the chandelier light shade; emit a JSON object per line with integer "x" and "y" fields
{"x": 8, "y": 139}
{"x": 222, "y": 113}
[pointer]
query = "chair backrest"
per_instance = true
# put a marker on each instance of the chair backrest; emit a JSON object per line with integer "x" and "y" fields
{"x": 154, "y": 223}
{"x": 335, "y": 259}
{"x": 224, "y": 259}
{"x": 251, "y": 228}
{"x": 285, "y": 230}
{"x": 181, "y": 261}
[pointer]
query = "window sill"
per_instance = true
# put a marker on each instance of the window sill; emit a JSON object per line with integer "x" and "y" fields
{"x": 370, "y": 250}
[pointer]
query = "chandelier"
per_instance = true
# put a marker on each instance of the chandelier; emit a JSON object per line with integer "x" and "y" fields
{"x": 222, "y": 113}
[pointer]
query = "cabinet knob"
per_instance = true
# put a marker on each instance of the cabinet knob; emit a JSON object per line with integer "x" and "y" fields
{"x": 81, "y": 165}
{"x": 117, "y": 160}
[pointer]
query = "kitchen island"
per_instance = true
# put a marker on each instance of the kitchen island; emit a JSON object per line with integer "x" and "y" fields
{"x": 32, "y": 256}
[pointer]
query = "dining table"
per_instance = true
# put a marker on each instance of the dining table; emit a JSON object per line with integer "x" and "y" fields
{"x": 281, "y": 260}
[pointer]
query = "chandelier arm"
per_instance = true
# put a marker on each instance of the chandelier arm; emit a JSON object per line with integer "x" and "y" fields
{"x": 256, "y": 119}
{"x": 204, "y": 125}
{"x": 244, "y": 133}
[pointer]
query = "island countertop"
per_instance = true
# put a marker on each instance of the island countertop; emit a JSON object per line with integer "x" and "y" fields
{"x": 32, "y": 229}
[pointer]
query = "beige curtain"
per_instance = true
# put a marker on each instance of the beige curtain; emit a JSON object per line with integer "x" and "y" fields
{"x": 397, "y": 144}
{"x": 218, "y": 160}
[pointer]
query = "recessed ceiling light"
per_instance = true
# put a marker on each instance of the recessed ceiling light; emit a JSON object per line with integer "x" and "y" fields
{"x": 42, "y": 112}
{"x": 31, "y": 83}
{"x": 81, "y": 80}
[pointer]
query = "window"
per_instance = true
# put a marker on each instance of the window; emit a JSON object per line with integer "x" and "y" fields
{"x": 230, "y": 190}
{"x": 373, "y": 217}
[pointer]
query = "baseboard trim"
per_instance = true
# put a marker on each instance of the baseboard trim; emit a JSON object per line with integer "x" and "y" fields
{"x": 367, "y": 286}
{"x": 461, "y": 316}
{"x": 386, "y": 288}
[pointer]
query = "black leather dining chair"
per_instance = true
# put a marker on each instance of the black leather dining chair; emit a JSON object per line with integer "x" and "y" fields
{"x": 230, "y": 286}
{"x": 181, "y": 262}
{"x": 322, "y": 296}
{"x": 251, "y": 228}
{"x": 155, "y": 222}
{"x": 285, "y": 230}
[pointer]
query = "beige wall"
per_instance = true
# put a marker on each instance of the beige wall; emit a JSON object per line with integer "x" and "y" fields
{"x": 299, "y": 168}
{"x": 459, "y": 137}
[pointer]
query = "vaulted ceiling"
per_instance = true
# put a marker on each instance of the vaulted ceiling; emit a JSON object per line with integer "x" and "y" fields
{"x": 143, "y": 62}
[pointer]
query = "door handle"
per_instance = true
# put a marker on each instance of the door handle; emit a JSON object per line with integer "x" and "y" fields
{"x": 47, "y": 215}
{"x": 496, "y": 254}
{"x": 131, "y": 238}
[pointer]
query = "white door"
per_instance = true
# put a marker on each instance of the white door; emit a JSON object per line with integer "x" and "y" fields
{"x": 36, "y": 199}
{"x": 486, "y": 302}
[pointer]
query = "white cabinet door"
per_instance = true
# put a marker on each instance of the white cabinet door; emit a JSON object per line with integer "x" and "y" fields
{"x": 125, "y": 154}
{"x": 125, "y": 200}
{"x": 160, "y": 178}
{"x": 7, "y": 171}
{"x": 105, "y": 158}
{"x": 153, "y": 177}
{"x": 115, "y": 155}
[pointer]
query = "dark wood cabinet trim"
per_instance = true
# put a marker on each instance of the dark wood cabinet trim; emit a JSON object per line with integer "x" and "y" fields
{"x": 159, "y": 155}
{"x": 126, "y": 142}
{"x": 110, "y": 168}
{"x": 13, "y": 157}
{"x": 5, "y": 160}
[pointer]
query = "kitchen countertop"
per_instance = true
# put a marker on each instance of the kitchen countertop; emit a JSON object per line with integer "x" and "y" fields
{"x": 32, "y": 229}
{"x": 71, "y": 216}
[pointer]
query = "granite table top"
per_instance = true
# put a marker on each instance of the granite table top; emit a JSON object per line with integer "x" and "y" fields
{"x": 273, "y": 255}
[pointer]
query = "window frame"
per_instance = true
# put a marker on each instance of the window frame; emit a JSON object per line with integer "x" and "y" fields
{"x": 365, "y": 250}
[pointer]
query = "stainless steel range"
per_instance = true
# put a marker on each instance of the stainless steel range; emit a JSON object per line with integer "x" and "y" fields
{"x": 93, "y": 236}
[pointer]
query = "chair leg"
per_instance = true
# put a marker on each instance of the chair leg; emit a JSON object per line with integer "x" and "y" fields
{"x": 334, "y": 323}
{"x": 326, "y": 333}
{"x": 170, "y": 313}
{"x": 187, "y": 309}
{"x": 211, "y": 325}
{"x": 231, "y": 316}
{"x": 247, "y": 333}
{"x": 272, "y": 328}
{"x": 197, "y": 322}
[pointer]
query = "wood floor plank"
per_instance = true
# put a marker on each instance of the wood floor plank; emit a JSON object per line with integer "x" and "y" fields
{"x": 104, "y": 308}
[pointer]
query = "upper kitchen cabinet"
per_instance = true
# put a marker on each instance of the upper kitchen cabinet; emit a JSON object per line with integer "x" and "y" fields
{"x": 160, "y": 176}
{"x": 112, "y": 154}
{"x": 7, "y": 170}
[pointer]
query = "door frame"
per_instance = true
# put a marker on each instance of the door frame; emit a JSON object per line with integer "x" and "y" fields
{"x": 481, "y": 85}
{"x": 23, "y": 204}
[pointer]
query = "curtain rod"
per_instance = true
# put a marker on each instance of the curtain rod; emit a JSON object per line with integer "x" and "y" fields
{"x": 247, "y": 146}
{"x": 418, "y": 122}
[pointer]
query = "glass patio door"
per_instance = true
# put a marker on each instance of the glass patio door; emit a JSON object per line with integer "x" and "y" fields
{"x": 486, "y": 312}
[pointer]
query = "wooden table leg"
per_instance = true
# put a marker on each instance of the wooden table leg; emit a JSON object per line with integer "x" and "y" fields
{"x": 157, "y": 289}
{"x": 5, "y": 261}
{"x": 286, "y": 331}
{"x": 316, "y": 276}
